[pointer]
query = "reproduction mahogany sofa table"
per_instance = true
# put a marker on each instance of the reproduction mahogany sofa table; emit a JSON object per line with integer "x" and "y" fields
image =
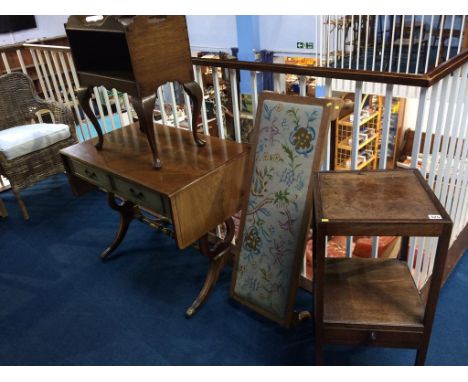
{"x": 375, "y": 302}
{"x": 195, "y": 191}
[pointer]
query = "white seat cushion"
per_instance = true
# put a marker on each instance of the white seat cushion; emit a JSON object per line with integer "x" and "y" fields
{"x": 20, "y": 140}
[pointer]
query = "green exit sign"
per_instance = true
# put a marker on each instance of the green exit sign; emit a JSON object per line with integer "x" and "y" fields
{"x": 305, "y": 45}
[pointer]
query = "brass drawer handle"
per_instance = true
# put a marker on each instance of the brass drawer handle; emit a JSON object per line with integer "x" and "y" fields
{"x": 138, "y": 195}
{"x": 90, "y": 174}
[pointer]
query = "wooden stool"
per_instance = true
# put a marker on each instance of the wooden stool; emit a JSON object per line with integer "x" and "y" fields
{"x": 136, "y": 55}
{"x": 375, "y": 302}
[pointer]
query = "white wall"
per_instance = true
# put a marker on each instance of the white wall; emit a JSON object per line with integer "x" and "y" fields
{"x": 281, "y": 33}
{"x": 411, "y": 114}
{"x": 212, "y": 32}
{"x": 47, "y": 26}
{"x": 204, "y": 31}
{"x": 275, "y": 32}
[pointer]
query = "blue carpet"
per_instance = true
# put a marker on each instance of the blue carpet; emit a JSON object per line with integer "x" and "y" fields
{"x": 60, "y": 305}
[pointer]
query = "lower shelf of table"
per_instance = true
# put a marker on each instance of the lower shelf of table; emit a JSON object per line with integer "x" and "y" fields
{"x": 372, "y": 295}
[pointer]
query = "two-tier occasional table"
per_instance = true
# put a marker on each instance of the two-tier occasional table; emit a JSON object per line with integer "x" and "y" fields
{"x": 375, "y": 302}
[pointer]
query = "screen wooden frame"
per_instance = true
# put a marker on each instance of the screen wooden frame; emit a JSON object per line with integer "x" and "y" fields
{"x": 327, "y": 105}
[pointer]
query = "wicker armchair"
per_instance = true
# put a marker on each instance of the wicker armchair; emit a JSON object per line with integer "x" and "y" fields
{"x": 19, "y": 104}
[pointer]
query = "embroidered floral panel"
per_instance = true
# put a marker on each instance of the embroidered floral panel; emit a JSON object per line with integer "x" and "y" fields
{"x": 280, "y": 180}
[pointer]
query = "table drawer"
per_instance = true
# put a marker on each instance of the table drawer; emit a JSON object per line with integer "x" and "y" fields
{"x": 387, "y": 338}
{"x": 92, "y": 175}
{"x": 140, "y": 196}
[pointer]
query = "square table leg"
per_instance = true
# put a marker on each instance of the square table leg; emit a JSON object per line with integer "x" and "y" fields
{"x": 319, "y": 243}
{"x": 434, "y": 289}
{"x": 3, "y": 210}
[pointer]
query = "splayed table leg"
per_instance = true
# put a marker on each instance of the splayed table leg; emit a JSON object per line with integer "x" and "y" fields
{"x": 218, "y": 256}
{"x": 127, "y": 213}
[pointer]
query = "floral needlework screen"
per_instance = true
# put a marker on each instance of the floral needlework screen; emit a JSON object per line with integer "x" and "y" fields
{"x": 284, "y": 156}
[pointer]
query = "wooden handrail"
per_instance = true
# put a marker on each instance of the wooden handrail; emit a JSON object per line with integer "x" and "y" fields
{"x": 421, "y": 80}
{"x": 48, "y": 47}
{"x": 342, "y": 74}
{"x": 34, "y": 42}
{"x": 439, "y": 72}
